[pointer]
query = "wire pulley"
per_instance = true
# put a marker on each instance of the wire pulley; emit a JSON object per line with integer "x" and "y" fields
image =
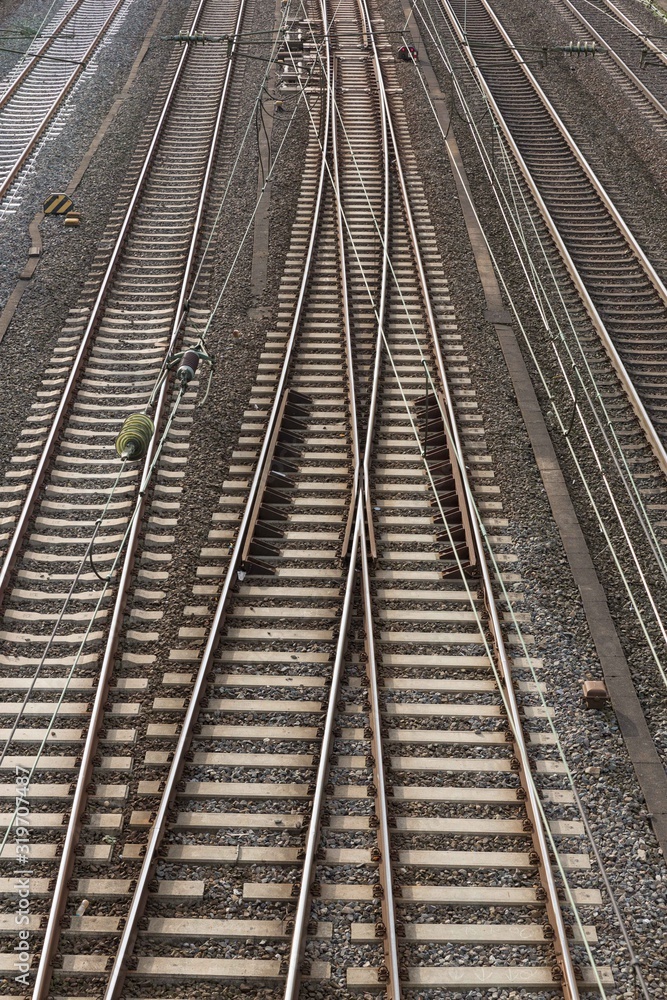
{"x": 134, "y": 438}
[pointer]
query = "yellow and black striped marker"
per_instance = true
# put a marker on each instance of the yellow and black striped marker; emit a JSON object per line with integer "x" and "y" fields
{"x": 57, "y": 204}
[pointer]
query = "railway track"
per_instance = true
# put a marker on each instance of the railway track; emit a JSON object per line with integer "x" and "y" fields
{"x": 73, "y": 515}
{"x": 623, "y": 46}
{"x": 337, "y": 732}
{"x": 621, "y": 292}
{"x": 331, "y": 729}
{"x": 619, "y": 443}
{"x": 37, "y": 86}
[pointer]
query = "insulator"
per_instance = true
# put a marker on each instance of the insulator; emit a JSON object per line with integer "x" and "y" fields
{"x": 187, "y": 368}
{"x": 580, "y": 48}
{"x": 135, "y": 436}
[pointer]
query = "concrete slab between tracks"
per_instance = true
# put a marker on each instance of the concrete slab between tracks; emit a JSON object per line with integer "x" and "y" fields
{"x": 643, "y": 755}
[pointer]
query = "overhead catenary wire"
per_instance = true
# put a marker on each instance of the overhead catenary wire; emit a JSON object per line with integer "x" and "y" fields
{"x": 134, "y": 439}
{"x": 494, "y": 177}
{"x": 87, "y": 557}
{"x": 376, "y": 223}
{"x": 490, "y": 652}
{"x": 518, "y": 628}
{"x": 470, "y": 595}
{"x": 46, "y": 57}
{"x": 241, "y": 146}
{"x": 138, "y": 897}
{"x": 269, "y": 176}
{"x": 230, "y": 271}
{"x": 386, "y": 346}
{"x": 157, "y": 384}
{"x": 232, "y": 175}
{"x": 377, "y": 228}
{"x": 635, "y": 494}
{"x": 373, "y": 304}
{"x": 267, "y": 179}
{"x": 44, "y": 20}
{"x": 482, "y": 628}
{"x": 406, "y": 401}
{"x": 189, "y": 363}
{"x": 125, "y": 455}
{"x": 603, "y": 528}
{"x": 516, "y": 190}
{"x": 131, "y": 527}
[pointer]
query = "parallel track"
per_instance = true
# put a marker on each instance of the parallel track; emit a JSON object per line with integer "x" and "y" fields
{"x": 622, "y": 48}
{"x": 37, "y": 86}
{"x": 107, "y": 363}
{"x": 624, "y": 297}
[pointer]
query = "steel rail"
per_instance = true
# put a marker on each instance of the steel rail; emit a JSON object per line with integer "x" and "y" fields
{"x": 89, "y": 332}
{"x": 355, "y": 516}
{"x": 618, "y": 60}
{"x": 186, "y": 289}
{"x": 27, "y": 150}
{"x": 561, "y": 945}
{"x": 390, "y": 940}
{"x": 346, "y": 317}
{"x": 645, "y": 421}
{"x": 381, "y": 308}
{"x": 302, "y": 917}
{"x": 367, "y": 32}
{"x": 192, "y": 711}
{"x": 34, "y": 56}
{"x": 60, "y": 894}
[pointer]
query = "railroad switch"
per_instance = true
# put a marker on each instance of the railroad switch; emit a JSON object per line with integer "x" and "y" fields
{"x": 595, "y": 694}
